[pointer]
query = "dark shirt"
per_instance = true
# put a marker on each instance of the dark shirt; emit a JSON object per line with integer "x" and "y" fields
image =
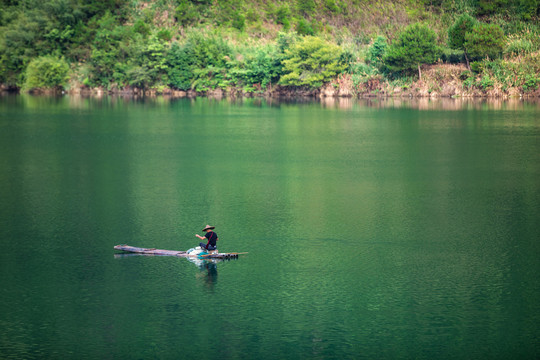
{"x": 212, "y": 238}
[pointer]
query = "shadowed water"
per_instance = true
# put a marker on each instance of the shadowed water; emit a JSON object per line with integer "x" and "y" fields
{"x": 375, "y": 229}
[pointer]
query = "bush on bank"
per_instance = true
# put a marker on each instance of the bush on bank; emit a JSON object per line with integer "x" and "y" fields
{"x": 46, "y": 72}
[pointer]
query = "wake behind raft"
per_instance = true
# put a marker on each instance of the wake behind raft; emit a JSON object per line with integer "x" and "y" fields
{"x": 197, "y": 252}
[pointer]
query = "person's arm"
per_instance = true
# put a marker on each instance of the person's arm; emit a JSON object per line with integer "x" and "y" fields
{"x": 205, "y": 237}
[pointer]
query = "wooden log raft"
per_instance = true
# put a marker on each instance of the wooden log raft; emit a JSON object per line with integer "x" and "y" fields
{"x": 153, "y": 251}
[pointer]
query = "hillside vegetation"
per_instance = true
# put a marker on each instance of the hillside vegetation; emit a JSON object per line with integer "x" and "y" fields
{"x": 326, "y": 47}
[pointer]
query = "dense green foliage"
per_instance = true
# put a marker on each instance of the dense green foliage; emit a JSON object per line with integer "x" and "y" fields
{"x": 415, "y": 46}
{"x": 456, "y": 33}
{"x": 257, "y": 69}
{"x": 46, "y": 72}
{"x": 484, "y": 40}
{"x": 311, "y": 62}
{"x": 205, "y": 62}
{"x": 33, "y": 28}
{"x": 235, "y": 45}
{"x": 376, "y": 51}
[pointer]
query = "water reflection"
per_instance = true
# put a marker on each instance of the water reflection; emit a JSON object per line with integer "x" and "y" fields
{"x": 208, "y": 270}
{"x": 342, "y": 103}
{"x": 208, "y": 267}
{"x": 338, "y": 102}
{"x": 448, "y": 104}
{"x": 441, "y": 209}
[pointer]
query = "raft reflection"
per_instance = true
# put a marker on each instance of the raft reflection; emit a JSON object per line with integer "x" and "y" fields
{"x": 208, "y": 270}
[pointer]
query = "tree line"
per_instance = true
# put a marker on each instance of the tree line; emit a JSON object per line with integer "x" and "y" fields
{"x": 74, "y": 43}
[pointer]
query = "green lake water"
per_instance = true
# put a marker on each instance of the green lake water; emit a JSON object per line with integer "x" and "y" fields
{"x": 378, "y": 229}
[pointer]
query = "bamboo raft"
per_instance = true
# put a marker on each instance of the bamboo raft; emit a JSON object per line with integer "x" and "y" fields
{"x": 153, "y": 251}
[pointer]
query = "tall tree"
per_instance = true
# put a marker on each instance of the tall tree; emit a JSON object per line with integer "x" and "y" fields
{"x": 485, "y": 40}
{"x": 415, "y": 46}
{"x": 456, "y": 34}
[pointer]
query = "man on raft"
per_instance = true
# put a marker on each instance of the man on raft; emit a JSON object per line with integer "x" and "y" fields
{"x": 211, "y": 238}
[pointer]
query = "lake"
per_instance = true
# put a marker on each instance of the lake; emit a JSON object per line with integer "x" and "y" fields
{"x": 375, "y": 229}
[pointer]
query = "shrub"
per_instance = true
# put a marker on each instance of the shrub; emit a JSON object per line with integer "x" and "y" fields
{"x": 361, "y": 73}
{"x": 164, "y": 35}
{"x": 286, "y": 24}
{"x": 46, "y": 72}
{"x": 522, "y": 72}
{"x": 529, "y": 8}
{"x": 285, "y": 41}
{"x": 331, "y": 6}
{"x": 305, "y": 7}
{"x": 252, "y": 15}
{"x": 150, "y": 60}
{"x": 311, "y": 62}
{"x": 415, "y": 46}
{"x": 486, "y": 82}
{"x": 209, "y": 49}
{"x": 139, "y": 76}
{"x": 260, "y": 67}
{"x": 465, "y": 75}
{"x": 476, "y": 67}
{"x": 179, "y": 61}
{"x": 531, "y": 83}
{"x": 141, "y": 27}
{"x": 304, "y": 27}
{"x": 186, "y": 13}
{"x": 239, "y": 21}
{"x": 283, "y": 13}
{"x": 451, "y": 56}
{"x": 200, "y": 63}
{"x": 376, "y": 51}
{"x": 111, "y": 48}
{"x": 488, "y": 7}
{"x": 348, "y": 59}
{"x": 469, "y": 82}
{"x": 485, "y": 40}
{"x": 456, "y": 33}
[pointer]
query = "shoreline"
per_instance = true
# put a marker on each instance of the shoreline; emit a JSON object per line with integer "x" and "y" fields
{"x": 178, "y": 94}
{"x": 339, "y": 101}
{"x": 511, "y": 93}
{"x": 430, "y": 87}
{"x": 438, "y": 81}
{"x": 83, "y": 99}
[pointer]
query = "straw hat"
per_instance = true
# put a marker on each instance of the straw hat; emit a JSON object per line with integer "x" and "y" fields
{"x": 208, "y": 227}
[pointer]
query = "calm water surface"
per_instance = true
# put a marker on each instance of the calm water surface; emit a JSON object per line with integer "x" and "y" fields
{"x": 375, "y": 230}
